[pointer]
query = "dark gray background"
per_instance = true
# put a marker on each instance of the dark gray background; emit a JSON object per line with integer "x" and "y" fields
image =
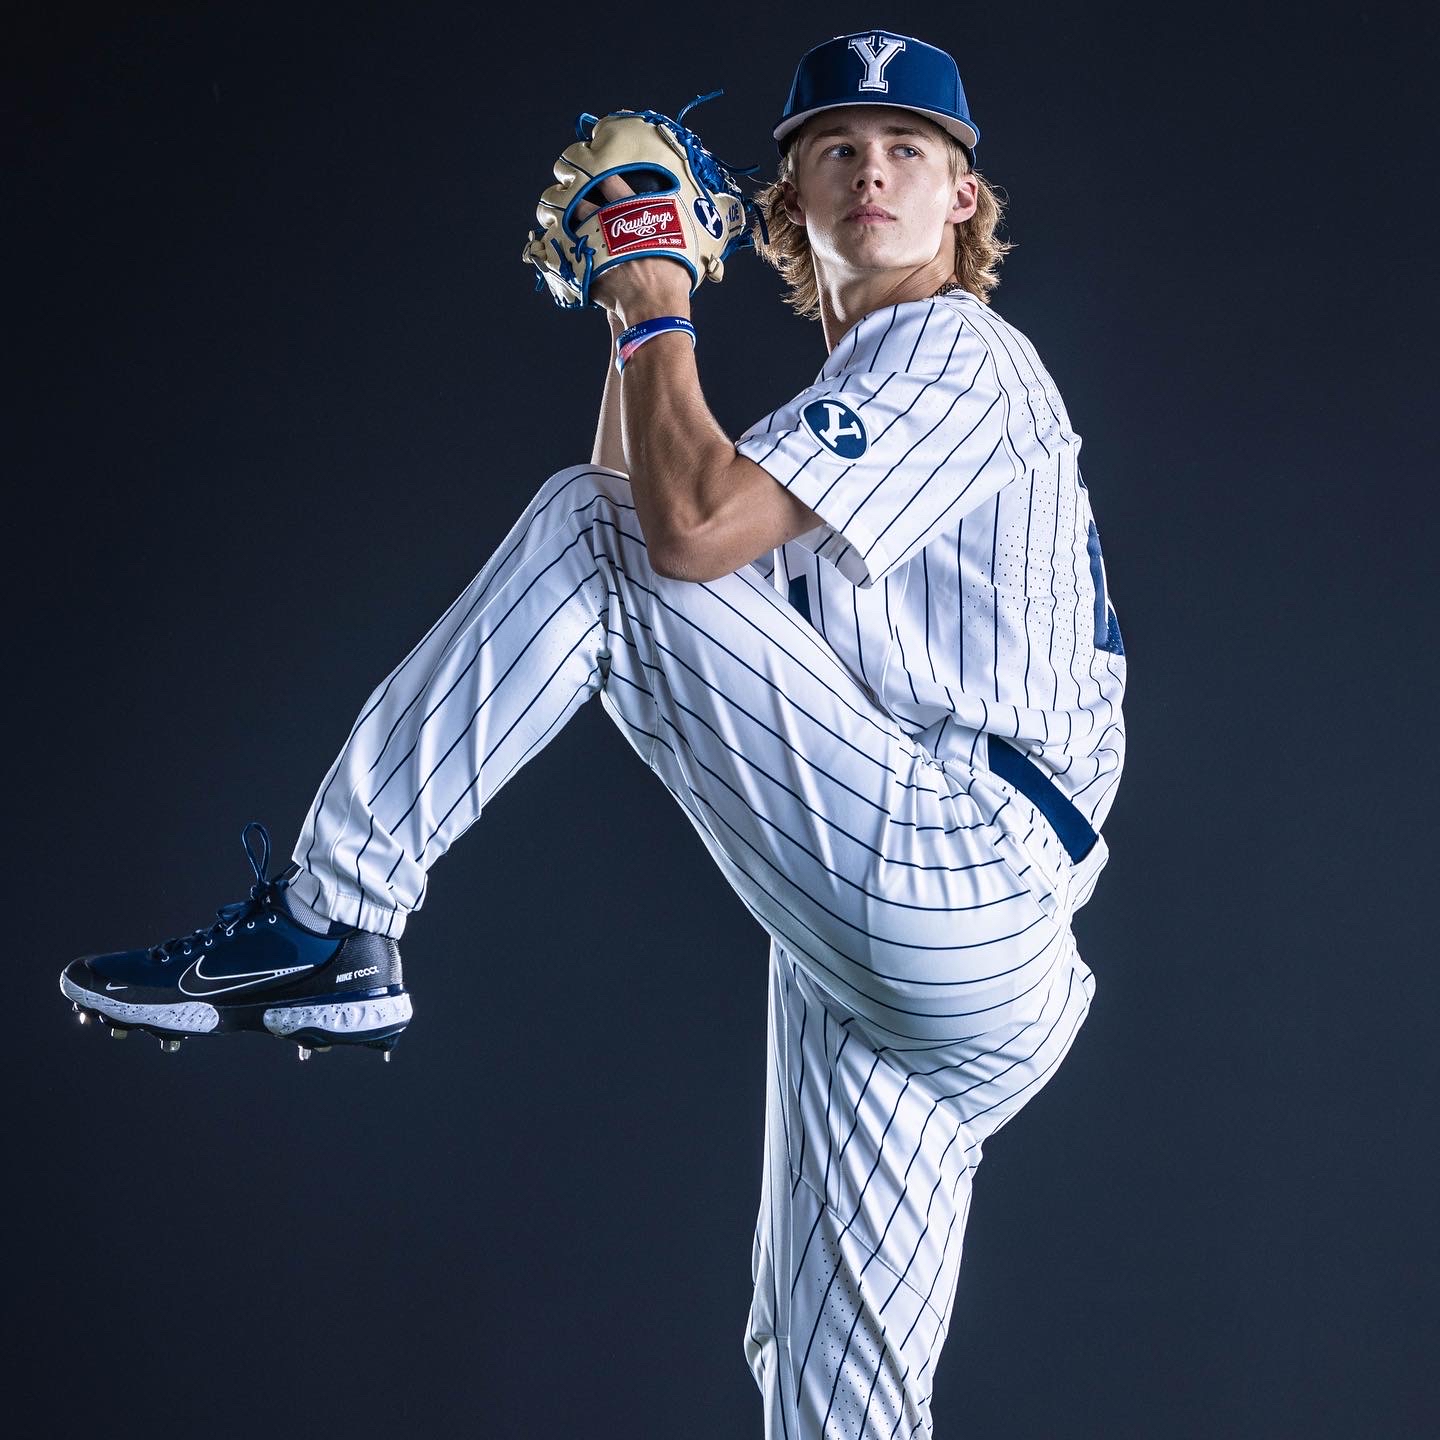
{"x": 277, "y": 385}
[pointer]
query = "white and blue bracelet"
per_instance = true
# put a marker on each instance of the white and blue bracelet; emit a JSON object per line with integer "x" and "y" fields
{"x": 633, "y": 338}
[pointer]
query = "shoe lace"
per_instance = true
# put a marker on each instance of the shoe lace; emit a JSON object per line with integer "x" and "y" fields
{"x": 264, "y": 892}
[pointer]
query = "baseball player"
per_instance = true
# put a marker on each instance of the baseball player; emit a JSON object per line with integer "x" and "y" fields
{"x": 867, "y": 647}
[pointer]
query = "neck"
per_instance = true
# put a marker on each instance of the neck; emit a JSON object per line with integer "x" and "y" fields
{"x": 845, "y": 302}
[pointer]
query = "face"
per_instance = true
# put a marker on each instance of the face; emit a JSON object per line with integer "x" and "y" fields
{"x": 873, "y": 190}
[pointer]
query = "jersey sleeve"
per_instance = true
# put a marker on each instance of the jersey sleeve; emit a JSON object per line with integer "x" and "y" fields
{"x": 902, "y": 434}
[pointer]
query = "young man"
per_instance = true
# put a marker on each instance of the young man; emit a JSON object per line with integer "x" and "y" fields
{"x": 867, "y": 648}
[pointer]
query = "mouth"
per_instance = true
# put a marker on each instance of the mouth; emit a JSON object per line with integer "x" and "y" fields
{"x": 863, "y": 214}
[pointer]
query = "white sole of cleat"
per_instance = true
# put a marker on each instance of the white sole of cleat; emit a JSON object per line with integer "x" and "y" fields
{"x": 351, "y": 1017}
{"x": 194, "y": 1017}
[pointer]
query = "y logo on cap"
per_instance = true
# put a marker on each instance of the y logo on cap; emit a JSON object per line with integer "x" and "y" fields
{"x": 875, "y": 56}
{"x": 837, "y": 427}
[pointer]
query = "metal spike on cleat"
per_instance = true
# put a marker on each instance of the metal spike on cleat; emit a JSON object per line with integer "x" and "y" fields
{"x": 118, "y": 1032}
{"x": 304, "y": 1051}
{"x": 169, "y": 1046}
{"x": 83, "y": 1016}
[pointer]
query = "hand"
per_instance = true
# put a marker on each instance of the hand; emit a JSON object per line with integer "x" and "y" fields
{"x": 639, "y": 289}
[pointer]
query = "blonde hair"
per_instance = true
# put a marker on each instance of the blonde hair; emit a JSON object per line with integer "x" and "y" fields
{"x": 978, "y": 250}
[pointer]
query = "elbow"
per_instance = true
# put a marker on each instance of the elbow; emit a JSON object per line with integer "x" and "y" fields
{"x": 670, "y": 544}
{"x": 667, "y": 566}
{"x": 684, "y": 533}
{"x": 674, "y": 561}
{"x": 665, "y": 550}
{"x": 676, "y": 556}
{"x": 663, "y": 544}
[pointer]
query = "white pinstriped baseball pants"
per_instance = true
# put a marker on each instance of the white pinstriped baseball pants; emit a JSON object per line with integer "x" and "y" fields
{"x": 923, "y": 980}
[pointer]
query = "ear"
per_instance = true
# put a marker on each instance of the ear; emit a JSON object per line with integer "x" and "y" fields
{"x": 967, "y": 199}
{"x": 790, "y": 203}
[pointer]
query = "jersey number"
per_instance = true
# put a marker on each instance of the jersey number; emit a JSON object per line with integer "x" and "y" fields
{"x": 1107, "y": 627}
{"x": 800, "y": 596}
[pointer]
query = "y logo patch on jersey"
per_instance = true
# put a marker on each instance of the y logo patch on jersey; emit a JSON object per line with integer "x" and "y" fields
{"x": 837, "y": 427}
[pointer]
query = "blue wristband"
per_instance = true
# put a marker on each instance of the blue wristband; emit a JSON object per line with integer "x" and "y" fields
{"x": 633, "y": 338}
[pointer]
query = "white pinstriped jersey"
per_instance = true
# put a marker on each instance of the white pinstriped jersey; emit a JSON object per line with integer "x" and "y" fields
{"x": 959, "y": 571}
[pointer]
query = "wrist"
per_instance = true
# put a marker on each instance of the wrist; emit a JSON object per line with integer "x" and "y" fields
{"x": 661, "y": 296}
{"x": 629, "y": 341}
{"x": 632, "y": 315}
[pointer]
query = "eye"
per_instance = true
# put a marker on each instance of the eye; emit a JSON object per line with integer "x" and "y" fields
{"x": 910, "y": 150}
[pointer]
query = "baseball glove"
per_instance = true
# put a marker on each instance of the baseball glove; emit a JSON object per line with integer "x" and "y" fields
{"x": 687, "y": 206}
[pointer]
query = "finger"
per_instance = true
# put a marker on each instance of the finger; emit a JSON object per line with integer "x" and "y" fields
{"x": 611, "y": 188}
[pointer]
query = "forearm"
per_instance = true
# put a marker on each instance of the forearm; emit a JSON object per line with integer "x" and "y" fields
{"x": 678, "y": 458}
{"x": 609, "y": 447}
{"x": 704, "y": 509}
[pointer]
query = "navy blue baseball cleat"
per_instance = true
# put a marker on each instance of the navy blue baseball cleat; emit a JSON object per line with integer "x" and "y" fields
{"x": 256, "y": 968}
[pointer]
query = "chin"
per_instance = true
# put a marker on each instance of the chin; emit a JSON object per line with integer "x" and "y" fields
{"x": 876, "y": 253}
{"x": 875, "y": 266}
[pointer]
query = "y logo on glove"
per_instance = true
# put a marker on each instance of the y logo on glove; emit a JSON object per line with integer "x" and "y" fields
{"x": 837, "y": 427}
{"x": 709, "y": 217}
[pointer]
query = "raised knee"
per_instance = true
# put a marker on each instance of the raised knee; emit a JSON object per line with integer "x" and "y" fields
{"x": 598, "y": 477}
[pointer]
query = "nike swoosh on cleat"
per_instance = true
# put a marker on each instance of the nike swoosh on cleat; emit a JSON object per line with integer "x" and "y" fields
{"x": 245, "y": 981}
{"x": 110, "y": 985}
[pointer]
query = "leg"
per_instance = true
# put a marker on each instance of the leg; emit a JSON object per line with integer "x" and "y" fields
{"x": 924, "y": 981}
{"x": 869, "y": 1160}
{"x": 895, "y": 883}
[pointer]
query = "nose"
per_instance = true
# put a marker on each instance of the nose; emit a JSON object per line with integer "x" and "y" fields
{"x": 869, "y": 168}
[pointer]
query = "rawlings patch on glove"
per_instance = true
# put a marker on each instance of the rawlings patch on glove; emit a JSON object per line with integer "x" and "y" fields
{"x": 687, "y": 206}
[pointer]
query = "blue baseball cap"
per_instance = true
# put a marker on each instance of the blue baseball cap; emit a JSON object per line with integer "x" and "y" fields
{"x": 876, "y": 67}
